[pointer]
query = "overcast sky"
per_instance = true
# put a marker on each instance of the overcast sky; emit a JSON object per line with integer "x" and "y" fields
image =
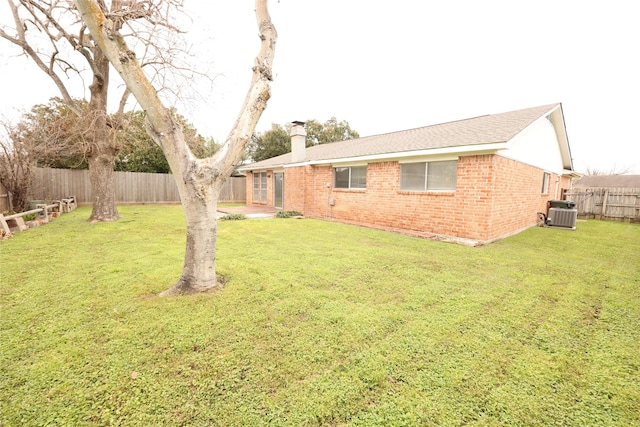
{"x": 385, "y": 66}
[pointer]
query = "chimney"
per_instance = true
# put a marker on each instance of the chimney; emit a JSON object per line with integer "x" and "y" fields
{"x": 298, "y": 142}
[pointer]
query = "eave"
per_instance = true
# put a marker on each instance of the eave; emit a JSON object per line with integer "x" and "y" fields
{"x": 480, "y": 149}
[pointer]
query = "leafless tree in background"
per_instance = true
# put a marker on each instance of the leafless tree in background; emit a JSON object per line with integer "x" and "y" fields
{"x": 52, "y": 34}
{"x": 15, "y": 170}
{"x": 20, "y": 151}
{"x": 615, "y": 170}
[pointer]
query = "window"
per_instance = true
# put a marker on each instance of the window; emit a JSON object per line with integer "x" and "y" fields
{"x": 350, "y": 177}
{"x": 429, "y": 176}
{"x": 545, "y": 182}
{"x": 260, "y": 187}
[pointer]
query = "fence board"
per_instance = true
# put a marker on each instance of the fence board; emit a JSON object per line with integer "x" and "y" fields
{"x": 4, "y": 199}
{"x": 131, "y": 187}
{"x": 622, "y": 204}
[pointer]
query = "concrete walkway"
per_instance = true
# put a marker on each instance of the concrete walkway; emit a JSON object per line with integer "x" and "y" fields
{"x": 254, "y": 212}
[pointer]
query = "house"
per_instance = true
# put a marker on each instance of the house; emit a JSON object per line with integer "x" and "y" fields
{"x": 481, "y": 179}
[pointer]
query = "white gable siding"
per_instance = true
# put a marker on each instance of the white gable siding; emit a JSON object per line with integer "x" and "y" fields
{"x": 537, "y": 145}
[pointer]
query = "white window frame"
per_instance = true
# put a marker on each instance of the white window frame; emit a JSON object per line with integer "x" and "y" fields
{"x": 259, "y": 187}
{"x": 351, "y": 184}
{"x": 425, "y": 177}
{"x": 546, "y": 178}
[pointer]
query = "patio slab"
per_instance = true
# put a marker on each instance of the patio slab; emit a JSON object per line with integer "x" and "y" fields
{"x": 254, "y": 212}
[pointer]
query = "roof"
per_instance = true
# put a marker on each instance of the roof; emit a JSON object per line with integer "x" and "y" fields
{"x": 608, "y": 181}
{"x": 477, "y": 132}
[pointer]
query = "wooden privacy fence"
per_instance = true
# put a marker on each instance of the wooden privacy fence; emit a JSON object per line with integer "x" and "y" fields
{"x": 621, "y": 204}
{"x": 131, "y": 187}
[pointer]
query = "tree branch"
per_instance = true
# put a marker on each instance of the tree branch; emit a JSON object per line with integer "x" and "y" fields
{"x": 256, "y": 99}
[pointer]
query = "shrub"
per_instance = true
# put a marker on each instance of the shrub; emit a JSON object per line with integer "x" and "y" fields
{"x": 30, "y": 217}
{"x": 234, "y": 217}
{"x": 287, "y": 214}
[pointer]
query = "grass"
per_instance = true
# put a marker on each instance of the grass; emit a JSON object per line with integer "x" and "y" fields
{"x": 319, "y": 324}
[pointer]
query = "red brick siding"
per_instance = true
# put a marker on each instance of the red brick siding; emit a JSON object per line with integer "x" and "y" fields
{"x": 517, "y": 196}
{"x": 381, "y": 204}
{"x": 474, "y": 190}
{"x": 494, "y": 197}
{"x": 565, "y": 184}
{"x": 295, "y": 188}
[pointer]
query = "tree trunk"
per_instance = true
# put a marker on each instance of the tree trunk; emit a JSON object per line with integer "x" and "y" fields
{"x": 102, "y": 153}
{"x": 103, "y": 188}
{"x": 199, "y": 269}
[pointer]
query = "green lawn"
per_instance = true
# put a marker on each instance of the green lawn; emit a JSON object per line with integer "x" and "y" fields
{"x": 319, "y": 324}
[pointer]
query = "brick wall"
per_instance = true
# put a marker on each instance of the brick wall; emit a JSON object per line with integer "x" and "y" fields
{"x": 295, "y": 188}
{"x": 384, "y": 204}
{"x": 518, "y": 196}
{"x": 494, "y": 197}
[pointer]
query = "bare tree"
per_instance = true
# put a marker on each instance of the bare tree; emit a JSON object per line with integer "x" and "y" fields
{"x": 16, "y": 163}
{"x": 21, "y": 148}
{"x": 614, "y": 170}
{"x": 51, "y": 33}
{"x": 199, "y": 180}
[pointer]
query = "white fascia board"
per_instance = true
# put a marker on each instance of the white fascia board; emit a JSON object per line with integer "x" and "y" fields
{"x": 414, "y": 155}
{"x": 563, "y": 139}
{"x": 275, "y": 168}
{"x": 248, "y": 169}
{"x": 430, "y": 158}
{"x": 295, "y": 165}
{"x": 571, "y": 174}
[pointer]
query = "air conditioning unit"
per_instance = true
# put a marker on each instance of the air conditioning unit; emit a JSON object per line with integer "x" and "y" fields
{"x": 559, "y": 217}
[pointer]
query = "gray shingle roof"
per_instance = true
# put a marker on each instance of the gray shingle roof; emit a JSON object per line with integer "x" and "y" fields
{"x": 492, "y": 128}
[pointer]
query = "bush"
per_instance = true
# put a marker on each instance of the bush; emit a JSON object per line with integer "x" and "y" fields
{"x": 30, "y": 217}
{"x": 287, "y": 214}
{"x": 234, "y": 217}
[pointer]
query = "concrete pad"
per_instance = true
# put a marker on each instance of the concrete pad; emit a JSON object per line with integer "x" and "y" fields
{"x": 259, "y": 216}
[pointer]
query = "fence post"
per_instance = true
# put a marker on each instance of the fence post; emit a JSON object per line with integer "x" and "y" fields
{"x": 43, "y": 214}
{"x": 603, "y": 214}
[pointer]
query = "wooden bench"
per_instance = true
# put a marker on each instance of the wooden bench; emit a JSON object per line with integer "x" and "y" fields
{"x": 69, "y": 204}
{"x": 15, "y": 222}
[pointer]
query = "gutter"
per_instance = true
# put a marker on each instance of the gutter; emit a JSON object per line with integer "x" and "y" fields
{"x": 480, "y": 149}
{"x": 475, "y": 150}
